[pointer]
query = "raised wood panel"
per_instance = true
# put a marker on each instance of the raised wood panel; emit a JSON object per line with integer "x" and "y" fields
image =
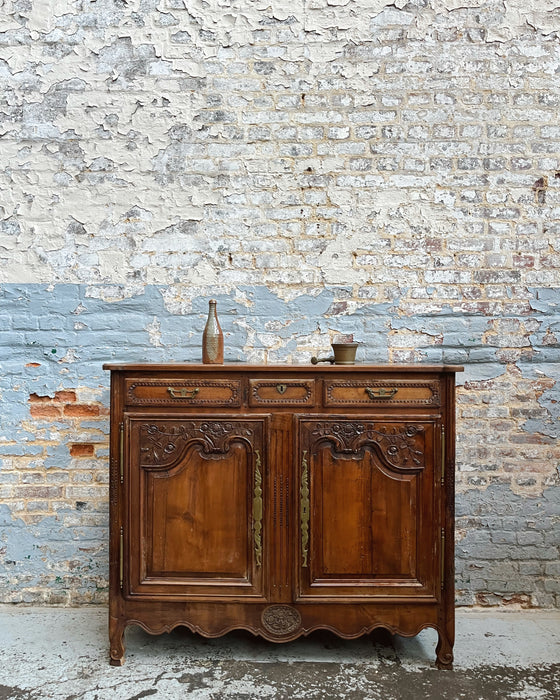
{"x": 198, "y": 529}
{"x": 196, "y": 517}
{"x": 366, "y": 519}
{"x": 370, "y": 489}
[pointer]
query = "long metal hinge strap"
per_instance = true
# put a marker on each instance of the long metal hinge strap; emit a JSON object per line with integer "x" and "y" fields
{"x": 121, "y": 558}
{"x": 257, "y": 509}
{"x": 443, "y": 455}
{"x": 304, "y": 508}
{"x": 442, "y": 557}
{"x": 121, "y": 451}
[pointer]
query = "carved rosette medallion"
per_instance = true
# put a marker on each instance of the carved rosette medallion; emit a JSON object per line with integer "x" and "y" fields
{"x": 281, "y": 619}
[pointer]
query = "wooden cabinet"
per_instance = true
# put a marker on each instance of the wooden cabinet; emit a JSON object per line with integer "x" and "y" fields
{"x": 282, "y": 499}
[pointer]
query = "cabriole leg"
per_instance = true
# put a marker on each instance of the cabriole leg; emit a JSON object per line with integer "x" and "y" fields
{"x": 116, "y": 640}
{"x": 444, "y": 651}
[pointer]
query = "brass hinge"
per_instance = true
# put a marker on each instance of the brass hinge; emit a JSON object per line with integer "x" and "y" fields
{"x": 121, "y": 559}
{"x": 121, "y": 451}
{"x": 443, "y": 455}
{"x": 442, "y": 557}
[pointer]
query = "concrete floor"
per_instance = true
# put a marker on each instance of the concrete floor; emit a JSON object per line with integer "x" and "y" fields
{"x": 63, "y": 653}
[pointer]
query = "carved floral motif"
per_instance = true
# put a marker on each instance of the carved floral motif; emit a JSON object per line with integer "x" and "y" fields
{"x": 162, "y": 443}
{"x": 402, "y": 445}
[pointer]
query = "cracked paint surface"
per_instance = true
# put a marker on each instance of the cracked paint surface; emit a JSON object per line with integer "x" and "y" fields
{"x": 386, "y": 169}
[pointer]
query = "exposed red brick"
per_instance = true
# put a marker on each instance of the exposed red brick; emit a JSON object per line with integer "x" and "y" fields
{"x": 80, "y": 411}
{"x": 35, "y": 398}
{"x": 43, "y": 411}
{"x": 81, "y": 450}
{"x": 33, "y": 364}
{"x": 65, "y": 396}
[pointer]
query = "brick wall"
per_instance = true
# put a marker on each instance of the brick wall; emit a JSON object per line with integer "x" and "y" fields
{"x": 390, "y": 170}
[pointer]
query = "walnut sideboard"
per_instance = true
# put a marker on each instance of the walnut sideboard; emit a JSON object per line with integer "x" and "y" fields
{"x": 282, "y": 499}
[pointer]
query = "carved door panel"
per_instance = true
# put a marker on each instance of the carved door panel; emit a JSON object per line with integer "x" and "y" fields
{"x": 199, "y": 484}
{"x": 368, "y": 518}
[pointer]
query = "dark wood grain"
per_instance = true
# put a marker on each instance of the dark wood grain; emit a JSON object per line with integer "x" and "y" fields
{"x": 282, "y": 499}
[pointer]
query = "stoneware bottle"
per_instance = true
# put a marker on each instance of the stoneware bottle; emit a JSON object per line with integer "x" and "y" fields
{"x": 212, "y": 338}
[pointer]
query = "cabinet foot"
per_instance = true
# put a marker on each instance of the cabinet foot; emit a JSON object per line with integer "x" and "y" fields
{"x": 444, "y": 652}
{"x": 116, "y": 641}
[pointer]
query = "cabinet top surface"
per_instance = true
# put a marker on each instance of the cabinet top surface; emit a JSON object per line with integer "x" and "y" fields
{"x": 243, "y": 367}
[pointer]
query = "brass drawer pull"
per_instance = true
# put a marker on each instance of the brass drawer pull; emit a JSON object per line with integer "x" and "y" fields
{"x": 380, "y": 393}
{"x": 182, "y": 393}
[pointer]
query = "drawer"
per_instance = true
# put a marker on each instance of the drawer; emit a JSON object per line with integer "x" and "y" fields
{"x": 386, "y": 392}
{"x": 281, "y": 392}
{"x": 183, "y": 392}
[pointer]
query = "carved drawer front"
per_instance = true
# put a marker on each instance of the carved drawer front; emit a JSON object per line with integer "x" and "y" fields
{"x": 387, "y": 392}
{"x": 281, "y": 392}
{"x": 183, "y": 392}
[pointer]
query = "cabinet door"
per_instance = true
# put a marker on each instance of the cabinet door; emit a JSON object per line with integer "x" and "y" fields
{"x": 368, "y": 513}
{"x": 195, "y": 506}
